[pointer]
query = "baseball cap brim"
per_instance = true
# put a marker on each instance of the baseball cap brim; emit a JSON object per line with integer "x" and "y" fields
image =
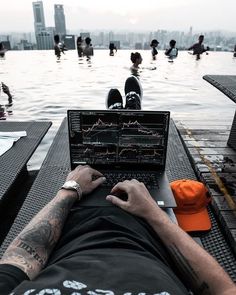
{"x": 199, "y": 221}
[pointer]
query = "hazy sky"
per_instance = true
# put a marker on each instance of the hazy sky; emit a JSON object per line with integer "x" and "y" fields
{"x": 17, "y": 15}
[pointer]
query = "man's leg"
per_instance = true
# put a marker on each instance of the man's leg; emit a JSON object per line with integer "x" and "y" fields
{"x": 133, "y": 93}
{"x": 114, "y": 99}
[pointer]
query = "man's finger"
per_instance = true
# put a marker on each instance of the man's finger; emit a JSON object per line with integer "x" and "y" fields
{"x": 96, "y": 172}
{"x": 121, "y": 186}
{"x": 116, "y": 201}
{"x": 98, "y": 181}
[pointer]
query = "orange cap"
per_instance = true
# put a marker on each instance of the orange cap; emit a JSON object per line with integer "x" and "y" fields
{"x": 191, "y": 198}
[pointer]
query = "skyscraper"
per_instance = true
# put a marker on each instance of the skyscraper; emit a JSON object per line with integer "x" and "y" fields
{"x": 44, "y": 37}
{"x": 59, "y": 17}
{"x": 39, "y": 21}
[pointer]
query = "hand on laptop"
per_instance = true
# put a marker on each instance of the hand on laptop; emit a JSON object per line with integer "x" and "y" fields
{"x": 139, "y": 200}
{"x": 86, "y": 177}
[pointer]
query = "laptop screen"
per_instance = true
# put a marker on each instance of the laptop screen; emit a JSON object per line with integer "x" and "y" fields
{"x": 125, "y": 138}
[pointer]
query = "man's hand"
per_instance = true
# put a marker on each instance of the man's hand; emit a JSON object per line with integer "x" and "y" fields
{"x": 86, "y": 177}
{"x": 139, "y": 200}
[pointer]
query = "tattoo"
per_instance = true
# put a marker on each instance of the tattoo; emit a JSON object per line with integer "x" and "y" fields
{"x": 31, "y": 249}
{"x": 32, "y": 252}
{"x": 187, "y": 272}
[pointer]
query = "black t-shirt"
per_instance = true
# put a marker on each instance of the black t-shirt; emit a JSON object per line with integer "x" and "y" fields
{"x": 101, "y": 251}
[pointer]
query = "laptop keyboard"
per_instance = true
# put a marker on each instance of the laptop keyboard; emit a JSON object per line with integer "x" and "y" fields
{"x": 112, "y": 178}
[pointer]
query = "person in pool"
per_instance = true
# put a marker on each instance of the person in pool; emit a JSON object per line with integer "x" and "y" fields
{"x": 234, "y": 50}
{"x": 136, "y": 59}
{"x": 79, "y": 43}
{"x": 112, "y": 47}
{"x": 172, "y": 52}
{"x": 154, "y": 51}
{"x": 2, "y": 50}
{"x": 57, "y": 49}
{"x": 198, "y": 48}
{"x": 88, "y": 49}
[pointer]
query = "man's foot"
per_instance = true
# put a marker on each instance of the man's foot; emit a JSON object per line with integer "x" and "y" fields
{"x": 114, "y": 99}
{"x": 132, "y": 84}
{"x": 133, "y": 93}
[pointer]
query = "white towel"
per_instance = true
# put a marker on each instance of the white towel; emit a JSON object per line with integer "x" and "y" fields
{"x": 8, "y": 138}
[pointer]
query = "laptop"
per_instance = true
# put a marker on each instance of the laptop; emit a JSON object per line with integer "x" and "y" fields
{"x": 122, "y": 144}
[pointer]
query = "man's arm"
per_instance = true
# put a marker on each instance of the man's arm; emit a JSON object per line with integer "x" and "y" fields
{"x": 167, "y": 52}
{"x": 31, "y": 248}
{"x": 6, "y": 90}
{"x": 199, "y": 270}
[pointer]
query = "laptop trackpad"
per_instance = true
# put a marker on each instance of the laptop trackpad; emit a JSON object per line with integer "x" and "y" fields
{"x": 97, "y": 198}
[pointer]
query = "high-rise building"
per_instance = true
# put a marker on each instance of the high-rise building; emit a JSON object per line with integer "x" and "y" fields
{"x": 43, "y": 35}
{"x": 44, "y": 40}
{"x": 69, "y": 41}
{"x": 39, "y": 20}
{"x": 60, "y": 22}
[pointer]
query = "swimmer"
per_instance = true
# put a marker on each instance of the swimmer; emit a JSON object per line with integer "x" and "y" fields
{"x": 198, "y": 48}
{"x": 154, "y": 51}
{"x": 136, "y": 59}
{"x": 172, "y": 52}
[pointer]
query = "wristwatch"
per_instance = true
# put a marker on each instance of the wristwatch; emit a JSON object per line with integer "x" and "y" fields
{"x": 73, "y": 185}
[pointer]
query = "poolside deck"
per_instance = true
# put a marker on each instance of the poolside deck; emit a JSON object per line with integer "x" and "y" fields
{"x": 215, "y": 164}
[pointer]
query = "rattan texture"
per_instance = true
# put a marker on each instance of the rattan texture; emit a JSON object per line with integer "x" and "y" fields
{"x": 14, "y": 160}
{"x": 232, "y": 135}
{"x": 177, "y": 164}
{"x": 58, "y": 155}
{"x": 215, "y": 243}
{"x": 225, "y": 83}
{"x": 51, "y": 177}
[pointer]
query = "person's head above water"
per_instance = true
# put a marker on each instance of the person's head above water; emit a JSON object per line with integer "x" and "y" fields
{"x": 87, "y": 41}
{"x": 111, "y": 46}
{"x": 136, "y": 58}
{"x": 154, "y": 43}
{"x": 56, "y": 39}
{"x": 200, "y": 38}
{"x": 79, "y": 39}
{"x": 172, "y": 43}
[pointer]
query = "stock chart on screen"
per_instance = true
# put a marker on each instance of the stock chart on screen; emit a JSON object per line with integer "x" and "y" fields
{"x": 105, "y": 137}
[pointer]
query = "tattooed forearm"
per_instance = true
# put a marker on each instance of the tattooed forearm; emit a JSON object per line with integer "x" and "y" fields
{"x": 187, "y": 272}
{"x": 32, "y": 252}
{"x": 31, "y": 249}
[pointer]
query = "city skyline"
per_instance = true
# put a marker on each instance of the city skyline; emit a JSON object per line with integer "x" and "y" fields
{"x": 124, "y": 15}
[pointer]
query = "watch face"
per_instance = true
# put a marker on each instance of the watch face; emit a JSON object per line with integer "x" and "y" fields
{"x": 73, "y": 185}
{"x": 70, "y": 183}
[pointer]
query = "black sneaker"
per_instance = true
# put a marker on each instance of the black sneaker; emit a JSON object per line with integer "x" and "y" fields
{"x": 114, "y": 99}
{"x": 132, "y": 84}
{"x": 133, "y": 101}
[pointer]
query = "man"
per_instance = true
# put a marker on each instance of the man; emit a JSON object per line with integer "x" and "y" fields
{"x": 154, "y": 43}
{"x": 198, "y": 48}
{"x": 129, "y": 248}
{"x": 172, "y": 51}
